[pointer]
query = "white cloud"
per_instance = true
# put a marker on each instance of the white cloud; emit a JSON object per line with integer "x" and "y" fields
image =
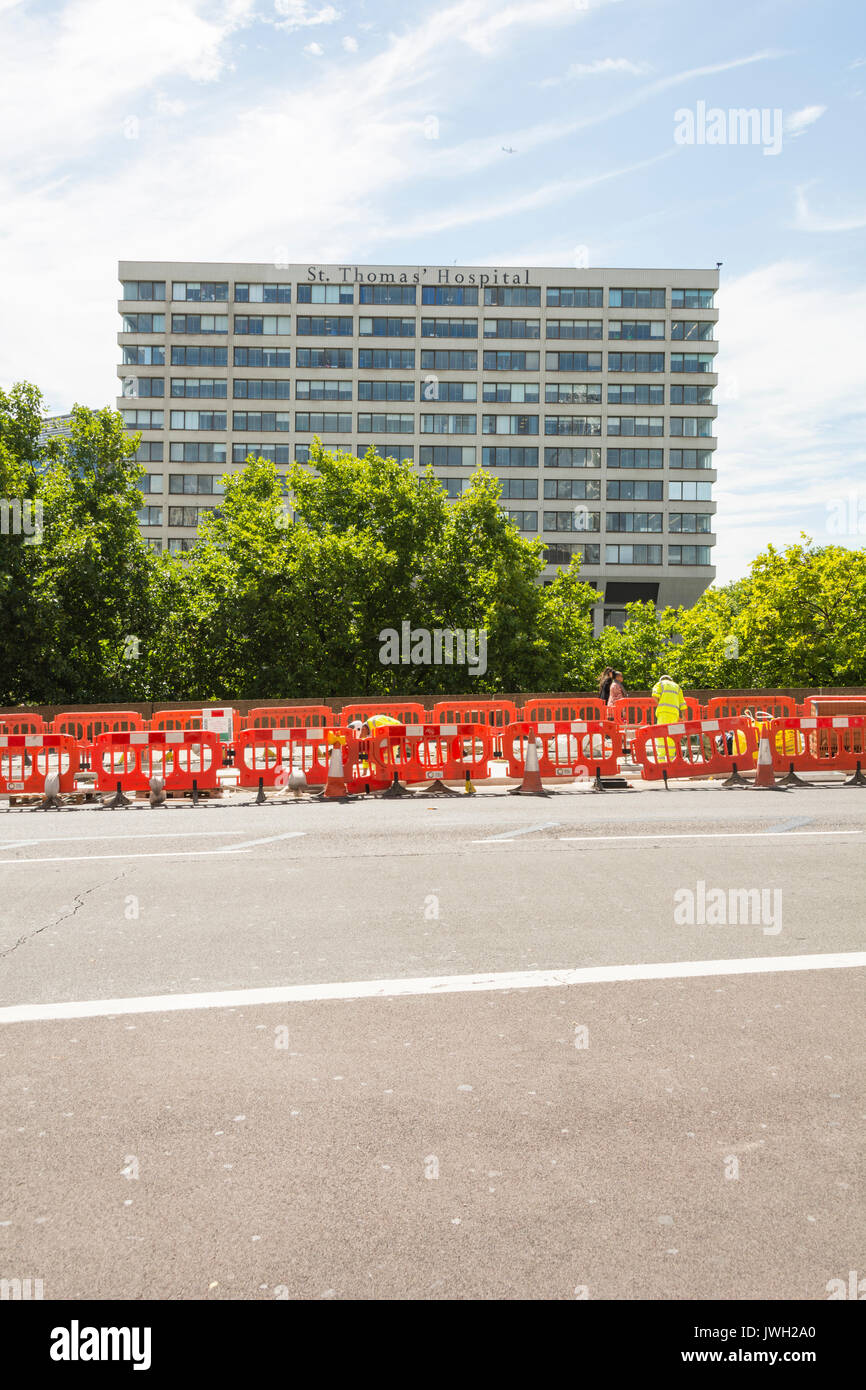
{"x": 799, "y": 121}
{"x": 791, "y": 414}
{"x": 597, "y": 68}
{"x": 298, "y": 14}
{"x": 350, "y": 44}
{"x": 315, "y": 49}
{"x": 808, "y": 221}
{"x": 165, "y": 106}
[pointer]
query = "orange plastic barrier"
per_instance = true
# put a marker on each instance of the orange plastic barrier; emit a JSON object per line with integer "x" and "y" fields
{"x": 23, "y": 723}
{"x": 86, "y": 726}
{"x": 186, "y": 759}
{"x": 695, "y": 748}
{"x": 26, "y": 760}
{"x": 559, "y": 711}
{"x": 569, "y": 748}
{"x": 398, "y": 709}
{"x": 290, "y": 717}
{"x": 822, "y": 744}
{"x": 731, "y": 706}
{"x": 495, "y": 714}
{"x": 423, "y": 752}
{"x": 166, "y": 719}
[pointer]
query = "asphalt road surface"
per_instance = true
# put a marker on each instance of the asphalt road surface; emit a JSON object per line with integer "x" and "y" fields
{"x": 482, "y": 1048}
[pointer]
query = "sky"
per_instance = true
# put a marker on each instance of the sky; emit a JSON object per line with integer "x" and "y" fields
{"x": 506, "y": 132}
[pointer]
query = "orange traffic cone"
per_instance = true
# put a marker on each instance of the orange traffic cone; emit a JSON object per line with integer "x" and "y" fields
{"x": 531, "y": 784}
{"x": 764, "y": 779}
{"x": 335, "y": 786}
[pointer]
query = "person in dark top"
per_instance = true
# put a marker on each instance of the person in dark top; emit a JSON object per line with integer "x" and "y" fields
{"x": 604, "y": 684}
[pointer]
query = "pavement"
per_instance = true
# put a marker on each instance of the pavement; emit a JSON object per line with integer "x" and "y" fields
{"x": 492, "y": 1047}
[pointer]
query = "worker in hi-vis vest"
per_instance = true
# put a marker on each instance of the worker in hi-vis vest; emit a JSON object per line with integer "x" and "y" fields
{"x": 364, "y": 728}
{"x": 671, "y": 708}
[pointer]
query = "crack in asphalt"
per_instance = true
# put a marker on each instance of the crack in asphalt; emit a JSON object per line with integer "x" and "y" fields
{"x": 77, "y": 904}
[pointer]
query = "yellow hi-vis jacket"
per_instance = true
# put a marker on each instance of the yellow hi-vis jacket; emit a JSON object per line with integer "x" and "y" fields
{"x": 380, "y": 721}
{"x": 671, "y": 706}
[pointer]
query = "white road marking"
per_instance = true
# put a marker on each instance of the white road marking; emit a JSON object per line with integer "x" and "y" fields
{"x": 511, "y": 834}
{"x": 436, "y": 984}
{"x": 154, "y": 835}
{"x": 706, "y": 835}
{"x": 158, "y": 853}
{"x": 789, "y": 825}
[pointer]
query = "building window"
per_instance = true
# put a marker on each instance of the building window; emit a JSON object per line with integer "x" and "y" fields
{"x": 574, "y": 519}
{"x": 186, "y": 516}
{"x": 143, "y": 419}
{"x": 386, "y": 359}
{"x": 509, "y": 424}
{"x": 449, "y": 328}
{"x": 143, "y": 386}
{"x": 691, "y": 395}
{"x": 572, "y": 458}
{"x": 319, "y": 422}
{"x": 633, "y": 490}
{"x": 447, "y": 455}
{"x": 326, "y": 294}
{"x": 691, "y": 458}
{"x": 150, "y": 516}
{"x": 692, "y": 330}
{"x": 385, "y": 326}
{"x": 692, "y": 299}
{"x": 201, "y": 387}
{"x": 150, "y": 483}
{"x": 693, "y": 362}
{"x": 385, "y": 390}
{"x": 153, "y": 544}
{"x": 453, "y": 486}
{"x": 635, "y": 458}
{"x": 263, "y": 323}
{"x": 690, "y": 492}
{"x": 573, "y": 393}
{"x": 137, "y": 355}
{"x": 332, "y": 389}
{"x": 634, "y": 329}
{"x": 149, "y": 451}
{"x": 275, "y": 453}
{"x": 691, "y": 426}
{"x": 574, "y": 328}
{"x": 401, "y": 453}
{"x": 143, "y": 323}
{"x": 191, "y": 483}
{"x": 385, "y": 424}
{"x": 689, "y": 555}
{"x": 633, "y": 521}
{"x": 200, "y": 291}
{"x": 560, "y": 553}
{"x": 572, "y": 361}
{"x": 200, "y": 356}
{"x": 574, "y": 297}
{"x": 448, "y": 360}
{"x": 263, "y": 294}
{"x": 200, "y": 323}
{"x": 636, "y": 299}
{"x": 636, "y": 424}
{"x": 573, "y": 489}
{"x": 178, "y": 545}
{"x": 519, "y": 487}
{"x": 636, "y": 395}
{"x": 263, "y": 420}
{"x": 448, "y": 424}
{"x": 697, "y": 522}
{"x": 511, "y": 392}
{"x": 261, "y": 389}
{"x": 572, "y": 424}
{"x": 448, "y": 295}
{"x": 198, "y": 419}
{"x": 512, "y": 328}
{"x": 509, "y": 457}
{"x": 635, "y": 361}
{"x": 512, "y": 296}
{"x": 524, "y": 521}
{"x": 324, "y": 326}
{"x": 265, "y": 357}
{"x": 143, "y": 289}
{"x": 511, "y": 361}
{"x": 386, "y": 294}
{"x": 197, "y": 453}
{"x": 632, "y": 554}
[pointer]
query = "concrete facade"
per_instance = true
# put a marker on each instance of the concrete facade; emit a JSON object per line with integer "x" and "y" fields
{"x": 361, "y": 363}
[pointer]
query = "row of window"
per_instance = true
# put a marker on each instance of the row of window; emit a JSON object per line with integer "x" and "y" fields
{"x": 390, "y": 326}
{"x": 403, "y": 359}
{"x": 512, "y": 296}
{"x": 499, "y": 393}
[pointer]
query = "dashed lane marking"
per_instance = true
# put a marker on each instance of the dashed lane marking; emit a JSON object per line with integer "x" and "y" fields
{"x": 158, "y": 853}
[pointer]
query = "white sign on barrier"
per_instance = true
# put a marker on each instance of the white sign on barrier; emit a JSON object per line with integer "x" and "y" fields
{"x": 219, "y": 721}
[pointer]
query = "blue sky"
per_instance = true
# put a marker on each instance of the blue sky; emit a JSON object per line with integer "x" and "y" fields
{"x": 371, "y": 131}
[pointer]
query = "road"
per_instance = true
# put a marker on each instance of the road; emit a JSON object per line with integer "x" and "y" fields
{"x": 353, "y": 1102}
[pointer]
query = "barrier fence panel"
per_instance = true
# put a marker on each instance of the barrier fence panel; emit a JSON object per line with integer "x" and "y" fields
{"x": 87, "y": 725}
{"x": 188, "y": 719}
{"x": 559, "y": 711}
{"x": 27, "y": 759}
{"x": 695, "y": 748}
{"x": 403, "y": 710}
{"x": 495, "y": 714}
{"x": 290, "y": 717}
{"x": 825, "y": 743}
{"x": 423, "y": 752}
{"x": 566, "y": 748}
{"x": 179, "y": 756}
{"x": 23, "y": 723}
{"x": 732, "y": 706}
